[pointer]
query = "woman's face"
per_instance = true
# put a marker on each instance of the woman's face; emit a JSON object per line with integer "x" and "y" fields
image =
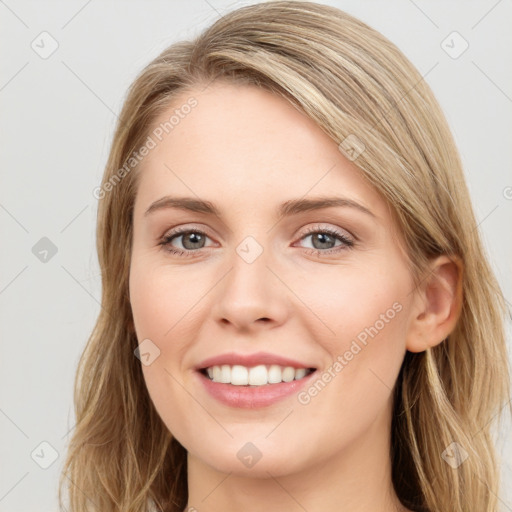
{"x": 269, "y": 278}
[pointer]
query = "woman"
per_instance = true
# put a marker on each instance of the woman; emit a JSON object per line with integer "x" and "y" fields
{"x": 298, "y": 313}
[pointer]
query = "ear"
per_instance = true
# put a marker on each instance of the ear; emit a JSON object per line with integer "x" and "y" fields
{"x": 437, "y": 304}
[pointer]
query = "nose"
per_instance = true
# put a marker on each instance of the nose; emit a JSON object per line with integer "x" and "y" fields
{"x": 251, "y": 296}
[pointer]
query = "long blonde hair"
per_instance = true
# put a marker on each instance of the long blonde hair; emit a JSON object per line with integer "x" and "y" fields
{"x": 353, "y": 82}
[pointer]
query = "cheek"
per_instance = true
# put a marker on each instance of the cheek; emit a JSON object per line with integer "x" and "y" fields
{"x": 355, "y": 303}
{"x": 368, "y": 317}
{"x": 364, "y": 317}
{"x": 166, "y": 306}
{"x": 162, "y": 300}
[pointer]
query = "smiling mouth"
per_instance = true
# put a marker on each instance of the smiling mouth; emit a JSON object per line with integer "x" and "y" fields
{"x": 260, "y": 375}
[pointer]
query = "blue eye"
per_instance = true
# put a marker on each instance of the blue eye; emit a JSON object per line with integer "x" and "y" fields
{"x": 194, "y": 239}
{"x": 328, "y": 236}
{"x": 197, "y": 238}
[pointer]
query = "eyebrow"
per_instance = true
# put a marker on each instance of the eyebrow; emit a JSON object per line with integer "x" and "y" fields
{"x": 286, "y": 209}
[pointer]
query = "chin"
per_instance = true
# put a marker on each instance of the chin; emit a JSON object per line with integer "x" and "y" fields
{"x": 252, "y": 459}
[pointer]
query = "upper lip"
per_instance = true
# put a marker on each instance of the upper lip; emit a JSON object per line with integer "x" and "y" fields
{"x": 250, "y": 360}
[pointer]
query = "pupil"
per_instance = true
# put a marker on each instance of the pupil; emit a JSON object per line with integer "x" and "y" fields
{"x": 195, "y": 238}
{"x": 323, "y": 238}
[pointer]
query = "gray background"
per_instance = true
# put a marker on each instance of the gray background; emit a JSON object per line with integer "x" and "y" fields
{"x": 57, "y": 119}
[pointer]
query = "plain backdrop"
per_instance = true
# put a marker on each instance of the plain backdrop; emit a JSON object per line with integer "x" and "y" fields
{"x": 64, "y": 70}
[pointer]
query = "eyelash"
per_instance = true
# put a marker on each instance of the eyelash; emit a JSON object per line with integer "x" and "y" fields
{"x": 348, "y": 243}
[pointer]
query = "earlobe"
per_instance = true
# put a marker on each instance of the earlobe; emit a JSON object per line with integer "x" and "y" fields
{"x": 437, "y": 304}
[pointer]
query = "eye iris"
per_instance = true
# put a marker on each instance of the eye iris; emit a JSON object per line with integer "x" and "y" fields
{"x": 195, "y": 238}
{"x": 322, "y": 238}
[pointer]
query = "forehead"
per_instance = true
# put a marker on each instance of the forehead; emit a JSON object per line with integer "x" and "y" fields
{"x": 246, "y": 146}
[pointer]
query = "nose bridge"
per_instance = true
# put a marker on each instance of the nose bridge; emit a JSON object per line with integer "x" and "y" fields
{"x": 249, "y": 291}
{"x": 249, "y": 275}
{"x": 249, "y": 250}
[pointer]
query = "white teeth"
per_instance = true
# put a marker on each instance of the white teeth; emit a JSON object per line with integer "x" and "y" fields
{"x": 288, "y": 374}
{"x": 255, "y": 376}
{"x": 258, "y": 375}
{"x": 274, "y": 374}
{"x": 239, "y": 375}
{"x": 301, "y": 372}
{"x": 225, "y": 374}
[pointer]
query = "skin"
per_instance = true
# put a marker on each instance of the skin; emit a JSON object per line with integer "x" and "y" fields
{"x": 248, "y": 151}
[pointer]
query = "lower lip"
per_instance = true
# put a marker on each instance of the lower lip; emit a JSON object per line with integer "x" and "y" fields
{"x": 253, "y": 397}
